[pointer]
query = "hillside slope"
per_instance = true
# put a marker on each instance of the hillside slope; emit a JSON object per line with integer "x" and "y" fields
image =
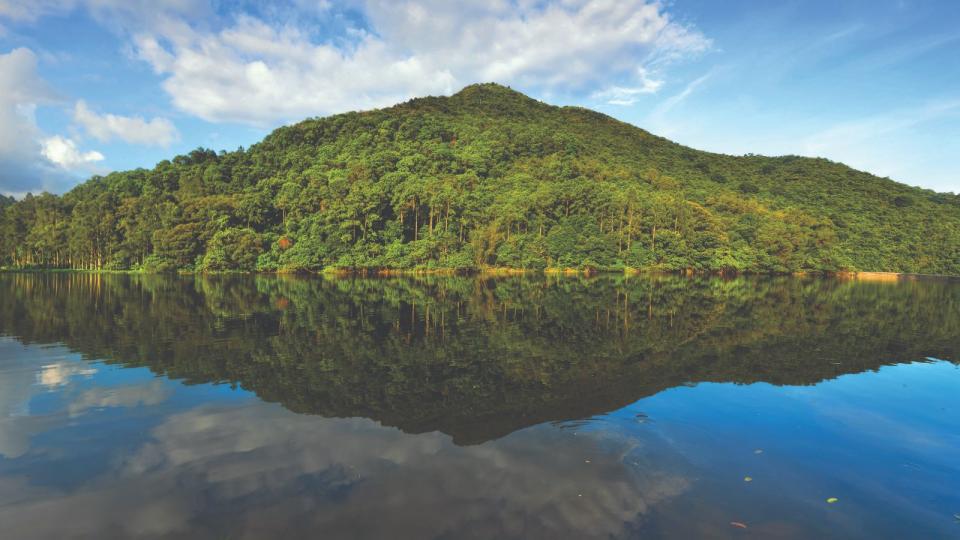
{"x": 486, "y": 177}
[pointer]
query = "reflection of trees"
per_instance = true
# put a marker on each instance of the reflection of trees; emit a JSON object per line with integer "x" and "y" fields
{"x": 478, "y": 358}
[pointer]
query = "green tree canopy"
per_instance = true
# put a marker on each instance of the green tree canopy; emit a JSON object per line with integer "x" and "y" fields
{"x": 486, "y": 177}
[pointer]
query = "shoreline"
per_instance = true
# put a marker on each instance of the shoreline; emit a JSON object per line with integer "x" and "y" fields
{"x": 893, "y": 276}
{"x": 872, "y": 276}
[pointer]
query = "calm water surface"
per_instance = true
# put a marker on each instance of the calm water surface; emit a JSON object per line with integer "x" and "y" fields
{"x": 266, "y": 407}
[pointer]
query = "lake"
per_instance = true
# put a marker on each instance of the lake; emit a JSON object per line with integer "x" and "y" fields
{"x": 466, "y": 407}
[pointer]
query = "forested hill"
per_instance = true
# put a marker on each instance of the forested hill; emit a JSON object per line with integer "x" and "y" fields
{"x": 486, "y": 177}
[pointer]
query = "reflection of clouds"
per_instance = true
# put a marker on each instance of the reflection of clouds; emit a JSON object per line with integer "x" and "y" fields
{"x": 14, "y": 441}
{"x": 151, "y": 393}
{"x": 59, "y": 373}
{"x": 16, "y": 427}
{"x": 17, "y": 376}
{"x": 260, "y": 471}
{"x": 27, "y": 371}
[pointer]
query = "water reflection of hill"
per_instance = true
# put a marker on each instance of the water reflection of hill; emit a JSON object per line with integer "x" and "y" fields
{"x": 477, "y": 358}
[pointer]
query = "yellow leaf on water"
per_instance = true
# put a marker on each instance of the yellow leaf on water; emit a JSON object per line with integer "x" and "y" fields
{"x": 747, "y": 479}
{"x": 832, "y": 500}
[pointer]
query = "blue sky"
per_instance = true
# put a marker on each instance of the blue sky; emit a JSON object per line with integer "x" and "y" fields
{"x": 90, "y": 86}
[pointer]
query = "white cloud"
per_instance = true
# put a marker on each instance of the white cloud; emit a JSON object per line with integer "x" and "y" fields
{"x": 619, "y": 95}
{"x": 29, "y": 160}
{"x": 676, "y": 126}
{"x": 261, "y": 64}
{"x": 265, "y": 65}
{"x": 131, "y": 129}
{"x": 120, "y": 11}
{"x": 668, "y": 104}
{"x": 31, "y": 10}
{"x": 571, "y": 44}
{"x": 63, "y": 152}
{"x": 267, "y": 68}
{"x": 622, "y": 95}
{"x": 20, "y": 91}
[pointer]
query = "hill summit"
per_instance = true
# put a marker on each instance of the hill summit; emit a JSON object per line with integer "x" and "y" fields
{"x": 487, "y": 177}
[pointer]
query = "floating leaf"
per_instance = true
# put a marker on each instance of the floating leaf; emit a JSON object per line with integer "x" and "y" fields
{"x": 738, "y": 524}
{"x": 747, "y": 479}
{"x": 832, "y": 500}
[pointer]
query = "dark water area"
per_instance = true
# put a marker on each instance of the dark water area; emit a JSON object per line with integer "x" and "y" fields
{"x": 527, "y": 407}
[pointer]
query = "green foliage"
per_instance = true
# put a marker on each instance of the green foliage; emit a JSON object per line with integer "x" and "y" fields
{"x": 180, "y": 245}
{"x": 233, "y": 249}
{"x": 487, "y": 177}
{"x": 154, "y": 264}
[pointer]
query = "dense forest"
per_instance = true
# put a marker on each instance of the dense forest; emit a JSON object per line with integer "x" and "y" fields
{"x": 485, "y": 178}
{"x": 475, "y": 357}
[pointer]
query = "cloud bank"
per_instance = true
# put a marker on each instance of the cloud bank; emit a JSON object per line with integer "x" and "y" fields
{"x": 131, "y": 129}
{"x": 268, "y": 65}
{"x": 31, "y": 160}
{"x": 259, "y": 73}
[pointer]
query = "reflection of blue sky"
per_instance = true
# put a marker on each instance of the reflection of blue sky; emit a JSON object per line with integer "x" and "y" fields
{"x": 115, "y": 450}
{"x": 109, "y": 449}
{"x": 883, "y": 442}
{"x": 258, "y": 469}
{"x": 45, "y": 391}
{"x": 33, "y": 383}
